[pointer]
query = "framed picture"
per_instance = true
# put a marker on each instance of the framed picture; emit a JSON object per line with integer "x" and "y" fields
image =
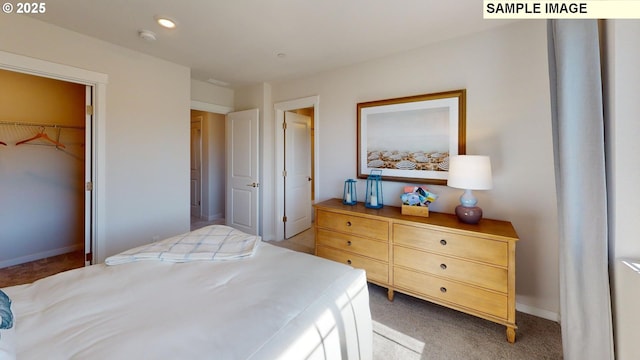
{"x": 411, "y": 138}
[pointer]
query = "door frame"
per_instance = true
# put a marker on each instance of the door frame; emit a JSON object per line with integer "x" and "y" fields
{"x": 299, "y": 219}
{"x": 98, "y": 81}
{"x": 200, "y": 124}
{"x": 281, "y": 108}
{"x": 88, "y": 175}
{"x": 212, "y": 108}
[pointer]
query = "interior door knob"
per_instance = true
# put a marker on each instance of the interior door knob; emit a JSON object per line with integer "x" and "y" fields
{"x": 255, "y": 185}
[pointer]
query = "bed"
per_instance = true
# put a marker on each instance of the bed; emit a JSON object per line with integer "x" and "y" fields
{"x": 266, "y": 303}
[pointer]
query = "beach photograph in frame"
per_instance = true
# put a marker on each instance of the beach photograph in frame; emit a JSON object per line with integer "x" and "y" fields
{"x": 411, "y": 138}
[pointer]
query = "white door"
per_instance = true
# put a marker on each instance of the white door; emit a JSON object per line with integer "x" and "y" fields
{"x": 297, "y": 182}
{"x": 196, "y": 166}
{"x": 242, "y": 171}
{"x": 88, "y": 176}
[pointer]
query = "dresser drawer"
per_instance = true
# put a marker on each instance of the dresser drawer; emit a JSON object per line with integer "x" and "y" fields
{"x": 377, "y": 271}
{"x": 467, "y": 296}
{"x": 469, "y": 247}
{"x": 376, "y": 229}
{"x": 491, "y": 277}
{"x": 361, "y": 246}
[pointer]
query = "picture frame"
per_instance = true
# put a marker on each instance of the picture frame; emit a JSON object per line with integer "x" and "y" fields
{"x": 411, "y": 138}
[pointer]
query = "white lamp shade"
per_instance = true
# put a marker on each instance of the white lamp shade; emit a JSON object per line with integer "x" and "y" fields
{"x": 471, "y": 172}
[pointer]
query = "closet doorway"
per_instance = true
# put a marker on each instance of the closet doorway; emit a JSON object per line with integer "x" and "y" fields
{"x": 45, "y": 170}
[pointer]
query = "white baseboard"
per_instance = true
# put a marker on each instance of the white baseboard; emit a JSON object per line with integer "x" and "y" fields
{"x": 40, "y": 255}
{"x": 545, "y": 314}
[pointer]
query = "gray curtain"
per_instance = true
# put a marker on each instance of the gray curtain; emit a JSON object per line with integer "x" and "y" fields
{"x": 579, "y": 155}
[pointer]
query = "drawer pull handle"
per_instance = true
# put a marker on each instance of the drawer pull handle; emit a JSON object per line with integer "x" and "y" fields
{"x": 349, "y": 261}
{"x": 348, "y": 223}
{"x": 443, "y": 289}
{"x": 443, "y": 266}
{"x": 349, "y": 243}
{"x": 443, "y": 242}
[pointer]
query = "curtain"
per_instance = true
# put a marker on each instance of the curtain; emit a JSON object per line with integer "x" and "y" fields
{"x": 579, "y": 155}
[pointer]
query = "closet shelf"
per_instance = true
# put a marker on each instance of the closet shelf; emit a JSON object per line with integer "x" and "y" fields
{"x": 17, "y": 123}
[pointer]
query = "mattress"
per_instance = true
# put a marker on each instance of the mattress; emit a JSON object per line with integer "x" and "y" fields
{"x": 277, "y": 304}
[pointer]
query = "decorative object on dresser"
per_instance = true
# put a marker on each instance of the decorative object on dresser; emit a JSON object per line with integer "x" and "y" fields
{"x": 416, "y": 200}
{"x": 373, "y": 196}
{"x": 349, "y": 195}
{"x": 469, "y": 172}
{"x": 470, "y": 268}
{"x": 411, "y": 138}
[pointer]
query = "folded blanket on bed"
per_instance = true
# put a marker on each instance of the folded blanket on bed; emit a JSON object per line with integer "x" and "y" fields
{"x": 210, "y": 243}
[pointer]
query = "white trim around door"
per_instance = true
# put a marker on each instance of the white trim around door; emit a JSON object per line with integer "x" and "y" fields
{"x": 212, "y": 108}
{"x": 98, "y": 81}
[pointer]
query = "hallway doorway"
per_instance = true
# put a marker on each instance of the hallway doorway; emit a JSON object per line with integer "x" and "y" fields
{"x": 208, "y": 173}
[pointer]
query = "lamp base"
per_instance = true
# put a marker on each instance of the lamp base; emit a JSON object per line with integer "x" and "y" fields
{"x": 469, "y": 214}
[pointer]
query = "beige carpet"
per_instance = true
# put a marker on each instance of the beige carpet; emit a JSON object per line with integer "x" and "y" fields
{"x": 409, "y": 328}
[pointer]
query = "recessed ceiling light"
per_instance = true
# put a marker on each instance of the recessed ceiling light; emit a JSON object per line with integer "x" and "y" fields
{"x": 166, "y": 22}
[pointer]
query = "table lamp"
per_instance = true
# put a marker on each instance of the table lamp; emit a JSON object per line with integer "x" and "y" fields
{"x": 469, "y": 172}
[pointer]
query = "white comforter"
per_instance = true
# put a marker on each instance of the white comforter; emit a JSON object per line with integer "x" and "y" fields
{"x": 276, "y": 304}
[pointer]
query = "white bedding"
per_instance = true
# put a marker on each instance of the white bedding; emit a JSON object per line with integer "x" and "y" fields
{"x": 278, "y": 304}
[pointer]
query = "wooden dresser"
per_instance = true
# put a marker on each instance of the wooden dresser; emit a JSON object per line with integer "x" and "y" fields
{"x": 470, "y": 268}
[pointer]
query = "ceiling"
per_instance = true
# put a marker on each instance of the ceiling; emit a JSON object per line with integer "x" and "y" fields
{"x": 241, "y": 42}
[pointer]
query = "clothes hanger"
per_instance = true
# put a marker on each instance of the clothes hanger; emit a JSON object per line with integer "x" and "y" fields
{"x": 41, "y": 135}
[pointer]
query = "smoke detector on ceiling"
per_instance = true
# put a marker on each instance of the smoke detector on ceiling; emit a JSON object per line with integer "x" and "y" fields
{"x": 147, "y": 35}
